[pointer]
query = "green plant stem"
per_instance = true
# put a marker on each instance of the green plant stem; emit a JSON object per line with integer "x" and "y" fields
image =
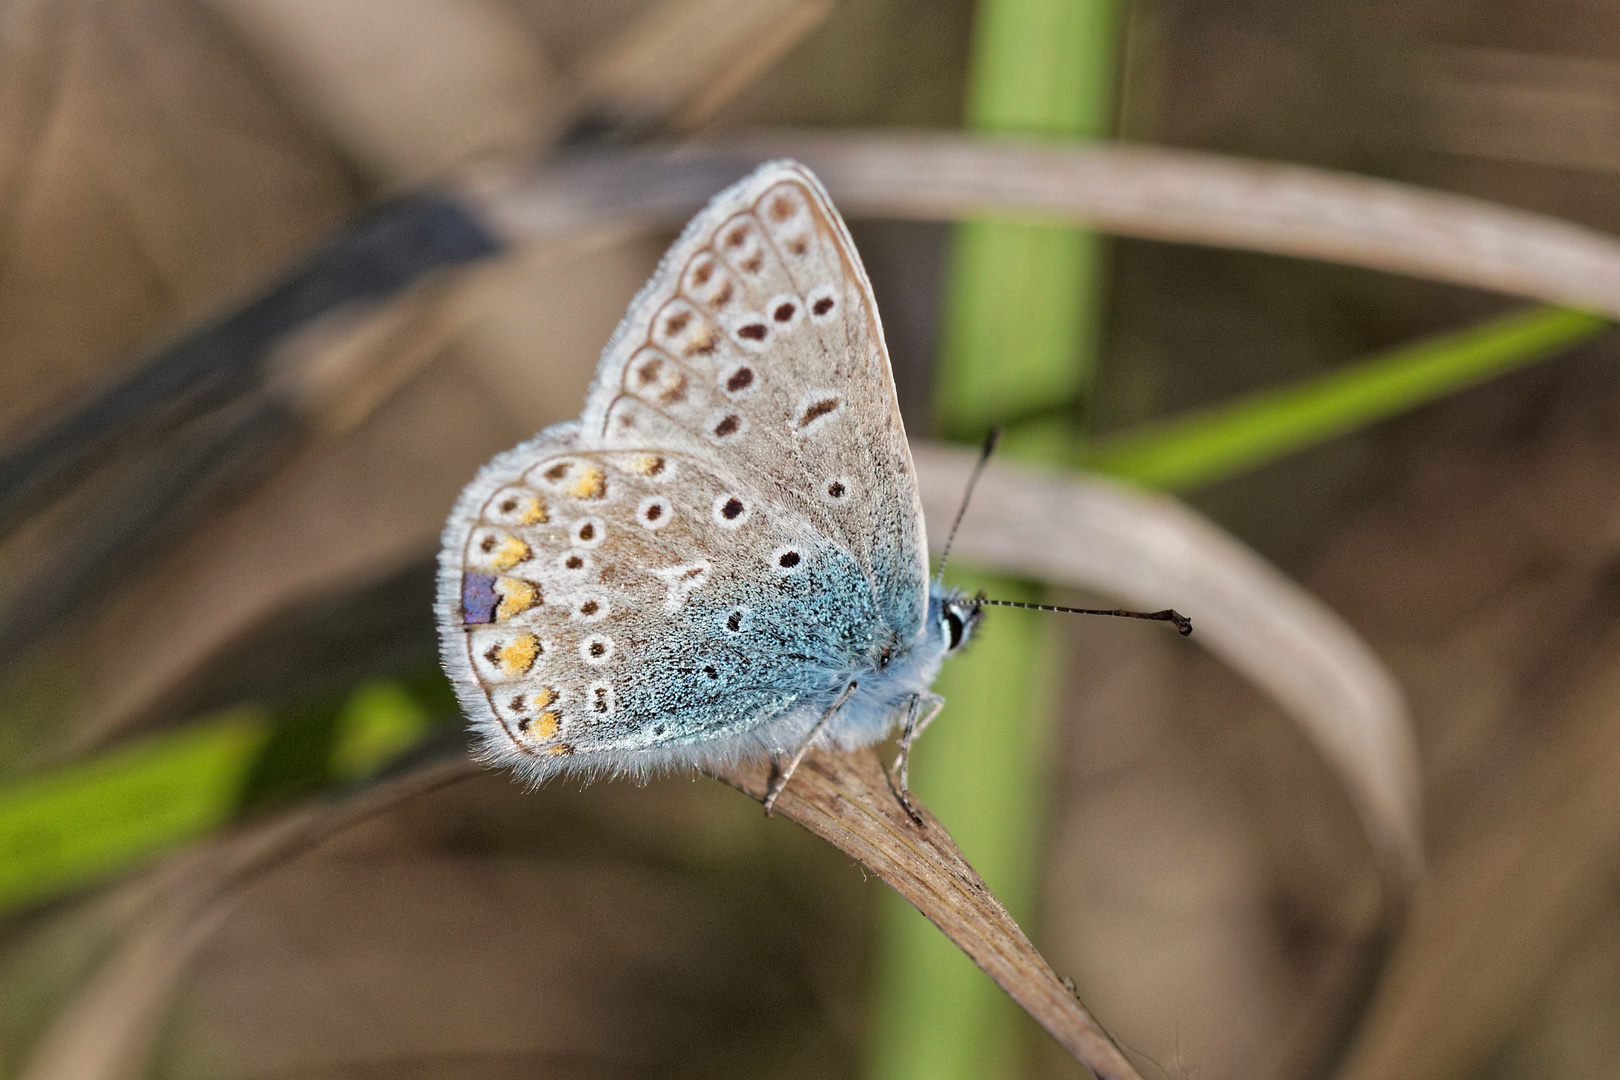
{"x": 983, "y": 760}
{"x": 79, "y": 824}
{"x": 1216, "y": 443}
{"x": 1020, "y": 327}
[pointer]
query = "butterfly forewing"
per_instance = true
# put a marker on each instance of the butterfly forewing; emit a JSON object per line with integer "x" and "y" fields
{"x": 759, "y": 344}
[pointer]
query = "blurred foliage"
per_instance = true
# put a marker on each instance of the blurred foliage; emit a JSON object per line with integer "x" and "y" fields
{"x": 1020, "y": 336}
{"x": 65, "y": 828}
{"x": 1197, "y": 874}
{"x": 1216, "y": 443}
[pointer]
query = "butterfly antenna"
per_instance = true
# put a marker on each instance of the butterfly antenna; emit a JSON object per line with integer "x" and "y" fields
{"x": 1182, "y": 623}
{"x": 990, "y": 441}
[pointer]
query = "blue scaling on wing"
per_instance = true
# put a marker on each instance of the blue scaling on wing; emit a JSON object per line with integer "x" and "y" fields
{"x": 743, "y": 652}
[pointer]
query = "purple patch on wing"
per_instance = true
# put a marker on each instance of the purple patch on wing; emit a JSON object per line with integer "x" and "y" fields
{"x": 478, "y": 598}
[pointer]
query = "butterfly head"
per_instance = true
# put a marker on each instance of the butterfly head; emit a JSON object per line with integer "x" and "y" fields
{"x": 953, "y": 616}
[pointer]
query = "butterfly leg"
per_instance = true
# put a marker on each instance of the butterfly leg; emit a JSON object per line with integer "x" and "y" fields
{"x": 784, "y": 773}
{"x": 913, "y": 728}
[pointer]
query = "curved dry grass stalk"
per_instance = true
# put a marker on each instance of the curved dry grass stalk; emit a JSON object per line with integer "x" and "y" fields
{"x": 110, "y": 1027}
{"x": 108, "y": 1031}
{"x": 1494, "y": 923}
{"x": 1152, "y": 552}
{"x": 1147, "y": 550}
{"x": 1171, "y": 195}
{"x": 847, "y": 800}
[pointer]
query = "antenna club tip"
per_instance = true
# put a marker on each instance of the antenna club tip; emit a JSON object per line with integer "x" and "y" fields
{"x": 1183, "y": 624}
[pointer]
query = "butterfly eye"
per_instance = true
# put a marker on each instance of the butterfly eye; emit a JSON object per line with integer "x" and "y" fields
{"x": 953, "y": 630}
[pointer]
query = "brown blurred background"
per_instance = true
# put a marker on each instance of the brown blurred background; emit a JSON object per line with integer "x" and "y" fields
{"x": 1206, "y": 883}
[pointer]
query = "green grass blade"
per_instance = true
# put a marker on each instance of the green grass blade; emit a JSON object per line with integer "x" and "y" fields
{"x": 1216, "y": 443}
{"x": 379, "y": 721}
{"x": 980, "y": 766}
{"x": 1019, "y": 338}
{"x": 82, "y": 823}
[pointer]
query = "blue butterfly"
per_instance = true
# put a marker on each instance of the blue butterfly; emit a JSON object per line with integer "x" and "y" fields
{"x": 725, "y": 555}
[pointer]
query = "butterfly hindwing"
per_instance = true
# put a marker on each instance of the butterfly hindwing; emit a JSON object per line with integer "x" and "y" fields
{"x": 598, "y": 613}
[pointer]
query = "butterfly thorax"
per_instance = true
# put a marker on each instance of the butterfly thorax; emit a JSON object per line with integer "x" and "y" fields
{"x": 896, "y": 674}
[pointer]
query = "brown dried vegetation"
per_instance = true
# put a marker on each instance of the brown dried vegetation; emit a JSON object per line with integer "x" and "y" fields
{"x": 1228, "y": 894}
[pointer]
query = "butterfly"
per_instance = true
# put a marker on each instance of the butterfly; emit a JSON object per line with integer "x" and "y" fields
{"x": 724, "y": 556}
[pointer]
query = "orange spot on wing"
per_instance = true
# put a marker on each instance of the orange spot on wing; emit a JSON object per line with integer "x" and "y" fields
{"x": 647, "y": 464}
{"x": 511, "y": 552}
{"x": 516, "y": 656}
{"x": 525, "y": 509}
{"x": 517, "y": 596}
{"x": 545, "y": 725}
{"x": 590, "y": 484}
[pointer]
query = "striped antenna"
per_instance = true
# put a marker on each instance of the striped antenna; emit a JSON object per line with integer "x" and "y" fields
{"x": 990, "y": 441}
{"x": 1182, "y": 623}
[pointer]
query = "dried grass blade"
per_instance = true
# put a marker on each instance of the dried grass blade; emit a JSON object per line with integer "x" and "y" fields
{"x": 1153, "y": 552}
{"x": 1159, "y": 194}
{"x": 107, "y": 1031}
{"x": 846, "y": 799}
{"x": 110, "y": 1027}
{"x": 681, "y": 60}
